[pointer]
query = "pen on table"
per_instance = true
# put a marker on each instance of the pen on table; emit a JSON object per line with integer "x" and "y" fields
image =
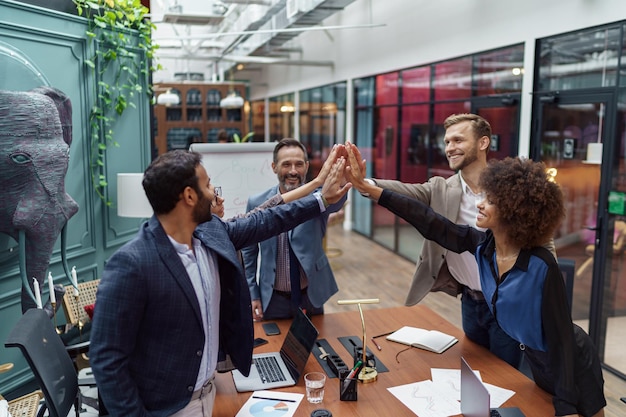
{"x": 376, "y": 344}
{"x": 275, "y": 399}
{"x": 352, "y": 373}
{"x": 381, "y": 335}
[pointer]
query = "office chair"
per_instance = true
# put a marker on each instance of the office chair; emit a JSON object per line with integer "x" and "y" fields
{"x": 75, "y": 308}
{"x": 568, "y": 269}
{"x": 35, "y": 335}
{"x": 26, "y": 405}
{"x": 77, "y": 316}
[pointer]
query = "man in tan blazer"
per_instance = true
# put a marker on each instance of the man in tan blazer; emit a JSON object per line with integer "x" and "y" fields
{"x": 467, "y": 140}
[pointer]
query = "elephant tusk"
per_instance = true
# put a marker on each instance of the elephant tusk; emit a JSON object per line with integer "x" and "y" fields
{"x": 22, "y": 245}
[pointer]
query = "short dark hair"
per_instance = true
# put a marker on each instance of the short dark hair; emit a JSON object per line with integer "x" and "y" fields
{"x": 529, "y": 203}
{"x": 168, "y": 176}
{"x": 479, "y": 124}
{"x": 289, "y": 142}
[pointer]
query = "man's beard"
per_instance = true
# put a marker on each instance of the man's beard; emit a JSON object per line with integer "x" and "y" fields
{"x": 202, "y": 210}
{"x": 290, "y": 187}
{"x": 468, "y": 159}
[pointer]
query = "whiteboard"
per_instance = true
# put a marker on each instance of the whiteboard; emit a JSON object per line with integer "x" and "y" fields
{"x": 241, "y": 169}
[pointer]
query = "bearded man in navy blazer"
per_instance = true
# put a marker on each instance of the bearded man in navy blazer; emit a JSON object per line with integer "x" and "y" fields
{"x": 175, "y": 295}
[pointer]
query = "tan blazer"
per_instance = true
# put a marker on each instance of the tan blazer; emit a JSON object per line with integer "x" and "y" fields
{"x": 432, "y": 274}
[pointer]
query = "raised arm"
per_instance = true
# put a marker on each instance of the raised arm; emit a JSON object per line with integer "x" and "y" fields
{"x": 355, "y": 173}
{"x": 433, "y": 226}
{"x": 321, "y": 180}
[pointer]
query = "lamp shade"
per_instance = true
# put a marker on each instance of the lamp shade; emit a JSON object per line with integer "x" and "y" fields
{"x": 232, "y": 101}
{"x": 594, "y": 154}
{"x": 131, "y": 198}
{"x": 168, "y": 99}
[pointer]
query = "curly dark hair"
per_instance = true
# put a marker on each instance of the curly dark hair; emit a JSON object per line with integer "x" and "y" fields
{"x": 168, "y": 176}
{"x": 530, "y": 205}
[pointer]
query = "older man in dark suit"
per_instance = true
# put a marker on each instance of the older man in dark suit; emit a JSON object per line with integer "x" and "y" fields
{"x": 174, "y": 296}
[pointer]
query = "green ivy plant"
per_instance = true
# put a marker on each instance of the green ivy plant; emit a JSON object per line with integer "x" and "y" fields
{"x": 124, "y": 57}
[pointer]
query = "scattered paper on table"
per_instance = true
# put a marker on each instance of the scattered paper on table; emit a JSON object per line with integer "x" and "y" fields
{"x": 424, "y": 400}
{"x": 498, "y": 395}
{"x": 271, "y": 403}
{"x": 448, "y": 381}
{"x": 441, "y": 397}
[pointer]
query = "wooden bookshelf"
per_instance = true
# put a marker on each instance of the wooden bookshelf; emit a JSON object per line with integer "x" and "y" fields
{"x": 198, "y": 117}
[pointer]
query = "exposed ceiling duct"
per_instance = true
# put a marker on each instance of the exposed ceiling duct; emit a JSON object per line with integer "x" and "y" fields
{"x": 247, "y": 31}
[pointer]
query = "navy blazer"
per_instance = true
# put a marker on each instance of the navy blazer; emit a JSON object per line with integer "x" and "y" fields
{"x": 306, "y": 242}
{"x": 147, "y": 336}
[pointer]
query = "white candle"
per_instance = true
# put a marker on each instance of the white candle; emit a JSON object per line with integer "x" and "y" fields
{"x": 75, "y": 281}
{"x": 37, "y": 293}
{"x": 53, "y": 297}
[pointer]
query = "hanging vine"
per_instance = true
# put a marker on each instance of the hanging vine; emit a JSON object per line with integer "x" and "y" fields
{"x": 122, "y": 63}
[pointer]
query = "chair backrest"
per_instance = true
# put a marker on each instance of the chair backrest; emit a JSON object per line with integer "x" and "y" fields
{"x": 568, "y": 269}
{"x": 35, "y": 335}
{"x": 75, "y": 308}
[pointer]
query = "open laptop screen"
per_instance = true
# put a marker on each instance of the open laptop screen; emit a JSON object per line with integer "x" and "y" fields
{"x": 298, "y": 344}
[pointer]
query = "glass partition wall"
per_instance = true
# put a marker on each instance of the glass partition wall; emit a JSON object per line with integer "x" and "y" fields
{"x": 580, "y": 113}
{"x": 399, "y": 127}
{"x": 322, "y": 121}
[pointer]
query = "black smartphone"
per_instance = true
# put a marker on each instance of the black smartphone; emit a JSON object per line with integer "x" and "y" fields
{"x": 271, "y": 329}
{"x": 259, "y": 341}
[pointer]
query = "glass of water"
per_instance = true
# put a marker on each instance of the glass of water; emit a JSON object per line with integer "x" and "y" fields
{"x": 314, "y": 382}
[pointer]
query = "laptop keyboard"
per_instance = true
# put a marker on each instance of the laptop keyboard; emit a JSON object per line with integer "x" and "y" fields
{"x": 268, "y": 369}
{"x": 494, "y": 413}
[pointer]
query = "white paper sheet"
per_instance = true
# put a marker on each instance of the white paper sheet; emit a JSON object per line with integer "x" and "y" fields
{"x": 441, "y": 397}
{"x": 448, "y": 381}
{"x": 497, "y": 395}
{"x": 424, "y": 400}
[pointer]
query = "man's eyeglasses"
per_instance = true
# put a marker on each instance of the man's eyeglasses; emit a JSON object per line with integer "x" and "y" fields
{"x": 217, "y": 191}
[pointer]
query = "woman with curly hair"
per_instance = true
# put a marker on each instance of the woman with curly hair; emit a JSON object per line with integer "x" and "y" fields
{"x": 521, "y": 211}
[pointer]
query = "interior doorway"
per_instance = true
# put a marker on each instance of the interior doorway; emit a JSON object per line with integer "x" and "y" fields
{"x": 580, "y": 138}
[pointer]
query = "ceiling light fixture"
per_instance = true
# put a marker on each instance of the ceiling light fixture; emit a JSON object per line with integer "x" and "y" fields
{"x": 168, "y": 98}
{"x": 232, "y": 101}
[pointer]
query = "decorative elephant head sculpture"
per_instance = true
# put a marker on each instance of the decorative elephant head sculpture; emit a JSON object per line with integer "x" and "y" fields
{"x": 35, "y": 139}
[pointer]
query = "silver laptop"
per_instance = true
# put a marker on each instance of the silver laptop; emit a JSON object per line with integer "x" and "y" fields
{"x": 281, "y": 369}
{"x": 475, "y": 397}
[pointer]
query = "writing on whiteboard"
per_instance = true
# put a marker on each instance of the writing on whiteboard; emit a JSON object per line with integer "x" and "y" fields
{"x": 241, "y": 169}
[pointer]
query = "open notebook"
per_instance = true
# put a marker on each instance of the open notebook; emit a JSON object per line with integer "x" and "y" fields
{"x": 432, "y": 340}
{"x": 281, "y": 369}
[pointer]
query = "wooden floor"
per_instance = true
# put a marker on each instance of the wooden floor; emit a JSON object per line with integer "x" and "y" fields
{"x": 365, "y": 269}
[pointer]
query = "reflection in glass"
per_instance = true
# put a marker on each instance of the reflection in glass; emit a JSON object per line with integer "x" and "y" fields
{"x": 282, "y": 115}
{"x": 322, "y": 122}
{"x": 453, "y": 79}
{"x": 499, "y": 72}
{"x": 364, "y": 91}
{"x": 416, "y": 85}
{"x": 615, "y": 287}
{"x": 582, "y": 59}
{"x": 387, "y": 88}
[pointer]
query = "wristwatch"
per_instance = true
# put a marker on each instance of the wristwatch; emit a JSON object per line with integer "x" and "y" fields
{"x": 371, "y": 181}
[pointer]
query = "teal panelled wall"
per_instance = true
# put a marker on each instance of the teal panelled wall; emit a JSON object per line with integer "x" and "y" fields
{"x": 56, "y": 44}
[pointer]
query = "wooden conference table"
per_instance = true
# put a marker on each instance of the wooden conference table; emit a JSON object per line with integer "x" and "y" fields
{"x": 415, "y": 364}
